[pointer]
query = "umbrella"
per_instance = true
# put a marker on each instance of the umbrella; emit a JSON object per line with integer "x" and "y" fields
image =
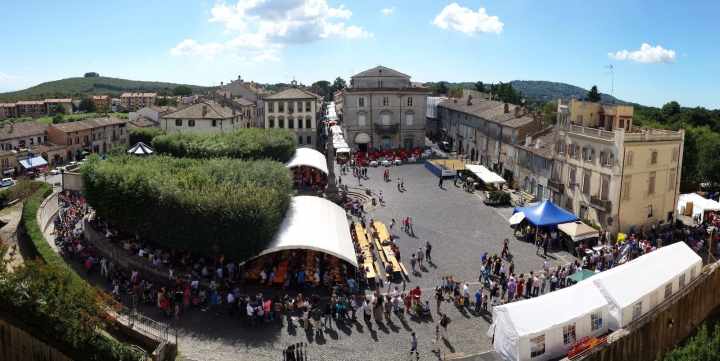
{"x": 580, "y": 275}
{"x": 516, "y": 218}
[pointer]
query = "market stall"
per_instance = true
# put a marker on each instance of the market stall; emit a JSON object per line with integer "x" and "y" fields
{"x": 636, "y": 287}
{"x": 34, "y": 165}
{"x": 309, "y": 168}
{"x": 140, "y": 149}
{"x": 485, "y": 175}
{"x": 696, "y": 206}
{"x": 547, "y": 327}
{"x": 545, "y": 213}
{"x": 578, "y": 231}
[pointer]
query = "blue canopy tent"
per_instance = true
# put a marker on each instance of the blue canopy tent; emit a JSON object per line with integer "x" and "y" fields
{"x": 546, "y": 213}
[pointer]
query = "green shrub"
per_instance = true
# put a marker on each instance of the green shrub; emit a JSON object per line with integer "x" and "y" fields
{"x": 207, "y": 205}
{"x": 704, "y": 346}
{"x": 499, "y": 197}
{"x": 144, "y": 135}
{"x": 248, "y": 143}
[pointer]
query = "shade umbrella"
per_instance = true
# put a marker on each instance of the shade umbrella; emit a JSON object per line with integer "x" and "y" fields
{"x": 516, "y": 218}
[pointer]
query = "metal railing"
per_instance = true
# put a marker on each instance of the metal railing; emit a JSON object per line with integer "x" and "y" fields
{"x": 591, "y": 132}
{"x": 158, "y": 331}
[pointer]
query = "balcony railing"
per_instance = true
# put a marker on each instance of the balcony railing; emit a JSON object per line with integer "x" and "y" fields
{"x": 601, "y": 204}
{"x": 386, "y": 129}
{"x": 591, "y": 132}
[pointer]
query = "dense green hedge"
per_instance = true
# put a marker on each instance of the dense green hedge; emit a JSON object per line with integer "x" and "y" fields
{"x": 207, "y": 206}
{"x": 21, "y": 190}
{"x": 248, "y": 143}
{"x": 144, "y": 135}
{"x": 54, "y": 301}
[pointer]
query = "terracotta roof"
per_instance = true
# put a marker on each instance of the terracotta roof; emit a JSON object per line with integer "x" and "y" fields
{"x": 143, "y": 122}
{"x": 293, "y": 93}
{"x": 165, "y": 109}
{"x": 30, "y": 102}
{"x": 87, "y": 124}
{"x": 65, "y": 100}
{"x": 128, "y": 95}
{"x": 22, "y": 130}
{"x": 243, "y": 102}
{"x": 195, "y": 111}
{"x": 7, "y": 105}
{"x": 547, "y": 143}
{"x": 381, "y": 71}
{"x": 100, "y": 97}
{"x": 490, "y": 110}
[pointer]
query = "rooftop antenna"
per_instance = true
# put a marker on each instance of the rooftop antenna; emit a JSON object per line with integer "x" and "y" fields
{"x": 612, "y": 78}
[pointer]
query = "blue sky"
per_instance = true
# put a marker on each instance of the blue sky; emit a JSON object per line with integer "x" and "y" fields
{"x": 205, "y": 42}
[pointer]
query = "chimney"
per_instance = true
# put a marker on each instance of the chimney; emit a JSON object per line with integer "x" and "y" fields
{"x": 517, "y": 111}
{"x": 469, "y": 100}
{"x": 507, "y": 108}
{"x": 204, "y": 110}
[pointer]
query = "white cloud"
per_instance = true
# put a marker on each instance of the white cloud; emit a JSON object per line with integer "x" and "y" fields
{"x": 465, "y": 20}
{"x": 388, "y": 11}
{"x": 646, "y": 54}
{"x": 261, "y": 28}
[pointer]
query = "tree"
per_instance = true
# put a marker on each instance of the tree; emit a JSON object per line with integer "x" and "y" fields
{"x": 549, "y": 111}
{"x": 57, "y": 109}
{"x": 670, "y": 109}
{"x": 439, "y": 88}
{"x": 322, "y": 88}
{"x": 701, "y": 347}
{"x": 505, "y": 92}
{"x": 455, "y": 92}
{"x": 57, "y": 119}
{"x": 338, "y": 84}
{"x": 182, "y": 90}
{"x": 87, "y": 105}
{"x": 593, "y": 95}
{"x": 91, "y": 75}
{"x": 480, "y": 86}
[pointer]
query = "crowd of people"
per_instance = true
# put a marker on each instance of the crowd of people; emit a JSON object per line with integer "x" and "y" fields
{"x": 309, "y": 178}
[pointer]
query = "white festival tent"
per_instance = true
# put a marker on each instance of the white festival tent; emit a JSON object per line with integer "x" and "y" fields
{"x": 636, "y": 287}
{"x": 516, "y": 218}
{"x": 140, "y": 149}
{"x": 310, "y": 158}
{"x": 485, "y": 174}
{"x": 578, "y": 231}
{"x": 540, "y": 328}
{"x": 314, "y": 223}
{"x": 699, "y": 203}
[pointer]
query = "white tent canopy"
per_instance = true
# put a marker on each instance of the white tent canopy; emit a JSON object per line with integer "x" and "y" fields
{"x": 485, "y": 174}
{"x": 314, "y": 223}
{"x": 534, "y": 328}
{"x": 699, "y": 203}
{"x": 310, "y": 158}
{"x": 140, "y": 149}
{"x": 636, "y": 287}
{"x": 578, "y": 231}
{"x": 516, "y": 218}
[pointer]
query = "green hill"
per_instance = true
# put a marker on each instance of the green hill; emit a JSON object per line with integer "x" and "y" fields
{"x": 79, "y": 87}
{"x": 544, "y": 91}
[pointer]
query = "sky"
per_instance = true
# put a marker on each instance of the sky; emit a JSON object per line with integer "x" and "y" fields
{"x": 659, "y": 50}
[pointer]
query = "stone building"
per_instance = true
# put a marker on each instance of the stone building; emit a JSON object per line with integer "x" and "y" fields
{"x": 381, "y": 108}
{"x": 207, "y": 116}
{"x": 251, "y": 92}
{"x": 295, "y": 109}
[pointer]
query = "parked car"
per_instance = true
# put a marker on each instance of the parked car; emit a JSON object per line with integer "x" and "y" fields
{"x": 55, "y": 171}
{"x": 6, "y": 182}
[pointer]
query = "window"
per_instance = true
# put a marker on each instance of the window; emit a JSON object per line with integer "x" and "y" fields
{"x": 291, "y": 107}
{"x": 629, "y": 159}
{"x": 291, "y": 123}
{"x": 385, "y": 118}
{"x": 281, "y": 122}
{"x": 587, "y": 177}
{"x": 409, "y": 101}
{"x": 361, "y": 102}
{"x": 178, "y": 122}
{"x": 214, "y": 122}
{"x": 308, "y": 123}
{"x": 596, "y": 321}
{"x": 281, "y": 107}
{"x": 668, "y": 290}
{"x": 572, "y": 176}
{"x": 361, "y": 120}
{"x": 271, "y": 107}
{"x": 653, "y": 157}
{"x": 409, "y": 118}
{"x": 537, "y": 346}
{"x": 650, "y": 211}
{"x": 637, "y": 310}
{"x": 309, "y": 139}
{"x": 569, "y": 334}
{"x": 671, "y": 180}
{"x": 300, "y": 139}
{"x": 651, "y": 183}
{"x": 681, "y": 280}
{"x": 385, "y": 101}
{"x": 626, "y": 188}
{"x": 308, "y": 107}
{"x": 191, "y": 122}
{"x": 271, "y": 122}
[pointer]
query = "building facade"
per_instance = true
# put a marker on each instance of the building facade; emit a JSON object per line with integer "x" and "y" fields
{"x": 610, "y": 172}
{"x": 22, "y": 135}
{"x": 51, "y": 105}
{"x": 30, "y": 108}
{"x": 101, "y": 103}
{"x": 250, "y": 92}
{"x": 204, "y": 117}
{"x": 383, "y": 109}
{"x": 7, "y": 110}
{"x": 89, "y": 135}
{"x": 295, "y": 109}
{"x": 135, "y": 101}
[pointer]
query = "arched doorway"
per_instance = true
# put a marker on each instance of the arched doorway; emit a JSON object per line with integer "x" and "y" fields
{"x": 362, "y": 140}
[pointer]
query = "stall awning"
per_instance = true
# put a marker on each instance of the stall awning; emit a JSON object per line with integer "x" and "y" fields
{"x": 33, "y": 162}
{"x": 140, "y": 149}
{"x": 362, "y": 138}
{"x": 485, "y": 174}
{"x": 310, "y": 158}
{"x": 546, "y": 214}
{"x": 314, "y": 223}
{"x": 342, "y": 150}
{"x": 578, "y": 231}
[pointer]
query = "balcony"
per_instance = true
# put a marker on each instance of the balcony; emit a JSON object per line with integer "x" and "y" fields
{"x": 556, "y": 185}
{"x": 601, "y": 204}
{"x": 386, "y": 129}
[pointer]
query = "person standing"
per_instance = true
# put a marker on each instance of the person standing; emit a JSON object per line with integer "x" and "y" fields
{"x": 413, "y": 346}
{"x": 392, "y": 223}
{"x": 420, "y": 256}
{"x": 440, "y": 182}
{"x": 478, "y": 300}
{"x": 412, "y": 262}
{"x": 428, "y": 248}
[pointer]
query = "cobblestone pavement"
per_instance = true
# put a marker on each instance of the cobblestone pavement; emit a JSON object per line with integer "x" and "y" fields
{"x": 458, "y": 225}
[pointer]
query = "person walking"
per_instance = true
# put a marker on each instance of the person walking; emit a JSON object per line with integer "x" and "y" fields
{"x": 478, "y": 300}
{"x": 392, "y": 223}
{"x": 428, "y": 248}
{"x": 440, "y": 183}
{"x": 413, "y": 346}
{"x": 420, "y": 256}
{"x": 412, "y": 262}
{"x": 505, "y": 250}
{"x": 411, "y": 231}
{"x": 398, "y": 185}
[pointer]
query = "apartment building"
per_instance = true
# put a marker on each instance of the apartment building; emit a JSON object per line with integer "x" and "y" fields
{"x": 204, "y": 117}
{"x": 148, "y": 116}
{"x": 248, "y": 91}
{"x": 295, "y": 109}
{"x": 487, "y": 131}
{"x": 609, "y": 171}
{"x": 383, "y": 109}
{"x": 7, "y": 110}
{"x": 89, "y": 135}
{"x": 31, "y": 108}
{"x": 52, "y": 104}
{"x": 15, "y": 136}
{"x": 135, "y": 101}
{"x": 248, "y": 112}
{"x": 101, "y": 103}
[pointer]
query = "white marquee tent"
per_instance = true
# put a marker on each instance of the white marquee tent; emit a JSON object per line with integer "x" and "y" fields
{"x": 314, "y": 223}
{"x": 310, "y": 158}
{"x": 485, "y": 174}
{"x": 541, "y": 328}
{"x": 700, "y": 205}
{"x": 636, "y": 287}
